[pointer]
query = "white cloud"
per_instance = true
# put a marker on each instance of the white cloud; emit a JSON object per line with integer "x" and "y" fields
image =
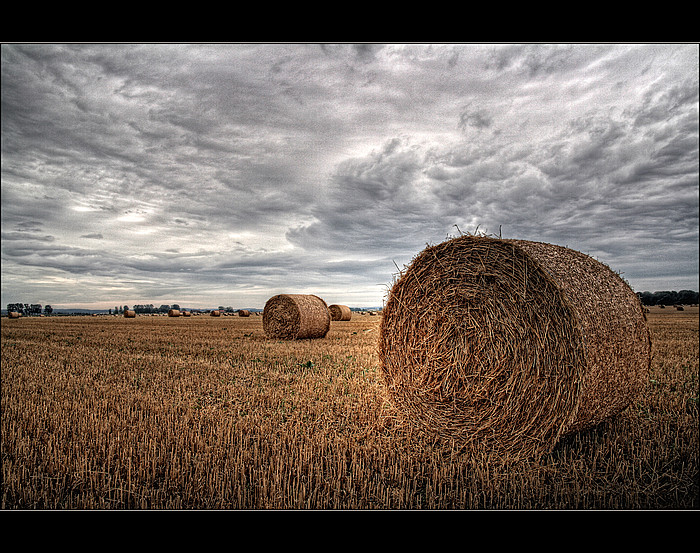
{"x": 226, "y": 173}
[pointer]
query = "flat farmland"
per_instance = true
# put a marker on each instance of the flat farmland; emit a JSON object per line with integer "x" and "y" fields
{"x": 208, "y": 413}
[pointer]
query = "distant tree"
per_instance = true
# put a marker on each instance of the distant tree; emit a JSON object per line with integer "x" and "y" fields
{"x": 35, "y": 309}
{"x": 164, "y": 308}
{"x": 687, "y": 297}
{"x": 669, "y": 297}
{"x": 175, "y": 306}
{"x": 16, "y": 307}
{"x": 48, "y": 309}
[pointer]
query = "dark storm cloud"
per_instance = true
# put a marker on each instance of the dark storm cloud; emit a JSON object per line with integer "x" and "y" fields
{"x": 235, "y": 171}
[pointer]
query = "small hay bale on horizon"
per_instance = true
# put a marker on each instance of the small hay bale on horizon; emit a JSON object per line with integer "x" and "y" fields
{"x": 129, "y": 314}
{"x": 340, "y": 312}
{"x": 296, "y": 317}
{"x": 243, "y": 313}
{"x": 173, "y": 312}
{"x": 14, "y": 315}
{"x": 186, "y": 314}
{"x": 506, "y": 346}
{"x": 215, "y": 313}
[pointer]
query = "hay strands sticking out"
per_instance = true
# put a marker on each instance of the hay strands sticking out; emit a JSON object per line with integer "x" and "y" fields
{"x": 507, "y": 345}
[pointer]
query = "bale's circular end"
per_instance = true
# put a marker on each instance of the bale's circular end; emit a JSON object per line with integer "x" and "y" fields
{"x": 173, "y": 313}
{"x": 243, "y": 313}
{"x": 506, "y": 345}
{"x": 339, "y": 312}
{"x": 296, "y": 316}
{"x": 215, "y": 313}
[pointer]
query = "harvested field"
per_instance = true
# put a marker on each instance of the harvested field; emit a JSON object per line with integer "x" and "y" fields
{"x": 209, "y": 413}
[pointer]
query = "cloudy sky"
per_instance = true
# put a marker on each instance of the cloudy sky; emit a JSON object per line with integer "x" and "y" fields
{"x": 222, "y": 174}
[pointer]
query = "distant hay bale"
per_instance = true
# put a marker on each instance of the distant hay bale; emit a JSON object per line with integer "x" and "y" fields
{"x": 129, "y": 314}
{"x": 173, "y": 312}
{"x": 679, "y": 308}
{"x": 243, "y": 313}
{"x": 14, "y": 315}
{"x": 295, "y": 317}
{"x": 186, "y": 314}
{"x": 340, "y": 312}
{"x": 508, "y": 345}
{"x": 215, "y": 313}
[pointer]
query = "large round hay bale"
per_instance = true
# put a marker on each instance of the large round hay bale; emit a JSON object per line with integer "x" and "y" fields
{"x": 295, "y": 317}
{"x": 14, "y": 315}
{"x": 340, "y": 312}
{"x": 130, "y": 314}
{"x": 508, "y": 345}
{"x": 215, "y": 313}
{"x": 243, "y": 313}
{"x": 173, "y": 312}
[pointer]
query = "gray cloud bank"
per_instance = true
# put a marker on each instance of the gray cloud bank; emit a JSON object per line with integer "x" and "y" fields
{"x": 223, "y": 174}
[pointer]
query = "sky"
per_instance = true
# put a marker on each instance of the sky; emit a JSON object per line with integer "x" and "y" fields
{"x": 222, "y": 174}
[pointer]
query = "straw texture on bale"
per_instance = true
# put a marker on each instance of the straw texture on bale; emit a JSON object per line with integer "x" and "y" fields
{"x": 296, "y": 317}
{"x": 215, "y": 313}
{"x": 173, "y": 313}
{"x": 340, "y": 312}
{"x": 508, "y": 345}
{"x": 130, "y": 314}
{"x": 243, "y": 313}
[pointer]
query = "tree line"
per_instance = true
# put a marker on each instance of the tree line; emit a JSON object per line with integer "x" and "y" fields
{"x": 148, "y": 308}
{"x": 665, "y": 297}
{"x": 29, "y": 309}
{"x": 684, "y": 297}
